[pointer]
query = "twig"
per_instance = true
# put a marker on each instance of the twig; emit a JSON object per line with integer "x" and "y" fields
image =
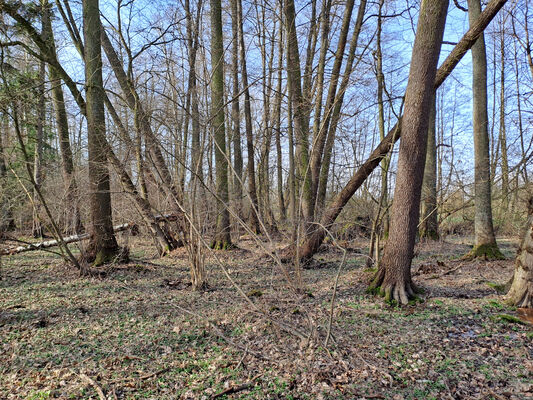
{"x": 447, "y": 272}
{"x": 242, "y": 359}
{"x": 235, "y": 389}
{"x": 98, "y": 389}
{"x": 142, "y": 377}
{"x": 330, "y": 321}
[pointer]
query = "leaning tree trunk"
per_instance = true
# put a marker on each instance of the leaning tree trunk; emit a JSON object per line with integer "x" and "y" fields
{"x": 521, "y": 292}
{"x": 393, "y": 278}
{"x": 314, "y": 240}
{"x": 485, "y": 240}
{"x": 103, "y": 246}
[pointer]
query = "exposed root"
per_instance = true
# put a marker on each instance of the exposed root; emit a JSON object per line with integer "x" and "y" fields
{"x": 393, "y": 290}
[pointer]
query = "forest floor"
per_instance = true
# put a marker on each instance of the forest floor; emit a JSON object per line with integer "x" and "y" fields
{"x": 141, "y": 333}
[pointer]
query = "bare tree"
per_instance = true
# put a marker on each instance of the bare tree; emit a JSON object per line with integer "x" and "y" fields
{"x": 103, "y": 246}
{"x": 393, "y": 278}
{"x": 222, "y": 239}
{"x": 485, "y": 240}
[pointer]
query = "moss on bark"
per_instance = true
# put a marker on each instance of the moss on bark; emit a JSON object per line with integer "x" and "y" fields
{"x": 486, "y": 251}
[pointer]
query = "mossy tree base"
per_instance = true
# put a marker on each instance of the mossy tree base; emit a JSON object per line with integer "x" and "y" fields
{"x": 222, "y": 245}
{"x": 486, "y": 252}
{"x": 395, "y": 289}
{"x": 106, "y": 255}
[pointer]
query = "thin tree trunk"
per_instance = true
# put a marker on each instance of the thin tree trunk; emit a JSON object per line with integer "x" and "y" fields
{"x": 334, "y": 105}
{"x": 73, "y": 217}
{"x": 7, "y": 222}
{"x": 277, "y": 128}
{"x": 252, "y": 190}
{"x": 503, "y": 133}
{"x": 299, "y": 109}
{"x": 318, "y": 136}
{"x": 429, "y": 224}
{"x": 235, "y": 108}
{"x": 37, "y": 230}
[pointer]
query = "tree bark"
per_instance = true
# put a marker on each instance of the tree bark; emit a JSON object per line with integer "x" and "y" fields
{"x": 252, "y": 189}
{"x": 503, "y": 133}
{"x": 222, "y": 240}
{"x": 235, "y": 108}
{"x": 299, "y": 109}
{"x": 37, "y": 230}
{"x": 429, "y": 226}
{"x": 334, "y": 103}
{"x": 393, "y": 278}
{"x": 7, "y": 222}
{"x": 314, "y": 240}
{"x": 485, "y": 240}
{"x": 521, "y": 292}
{"x": 73, "y": 217}
{"x": 103, "y": 246}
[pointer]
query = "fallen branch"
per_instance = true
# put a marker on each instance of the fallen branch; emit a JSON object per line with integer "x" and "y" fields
{"x": 235, "y": 389}
{"x": 75, "y": 238}
{"x": 95, "y": 385}
{"x": 447, "y": 272}
{"x": 142, "y": 377}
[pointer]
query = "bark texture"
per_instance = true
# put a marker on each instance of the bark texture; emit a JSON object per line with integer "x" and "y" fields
{"x": 314, "y": 240}
{"x": 394, "y": 275}
{"x": 485, "y": 240}
{"x": 429, "y": 226}
{"x": 521, "y": 292}
{"x": 103, "y": 246}
{"x": 222, "y": 239}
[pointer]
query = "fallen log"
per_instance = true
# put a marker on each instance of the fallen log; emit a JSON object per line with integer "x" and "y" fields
{"x": 76, "y": 238}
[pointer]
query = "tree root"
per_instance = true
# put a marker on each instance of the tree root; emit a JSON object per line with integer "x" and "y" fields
{"x": 395, "y": 291}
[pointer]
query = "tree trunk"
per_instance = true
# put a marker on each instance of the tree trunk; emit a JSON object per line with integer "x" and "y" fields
{"x": 73, "y": 217}
{"x": 222, "y": 240}
{"x": 299, "y": 109}
{"x": 7, "y": 223}
{"x": 314, "y": 240}
{"x": 393, "y": 278}
{"x": 277, "y": 128}
{"x": 37, "y": 230}
{"x": 429, "y": 224}
{"x": 485, "y": 240}
{"x": 103, "y": 246}
{"x": 235, "y": 108}
{"x": 521, "y": 292}
{"x": 503, "y": 133}
{"x": 252, "y": 190}
{"x": 334, "y": 103}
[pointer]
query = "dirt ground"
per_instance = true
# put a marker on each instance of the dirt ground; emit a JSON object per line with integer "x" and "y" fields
{"x": 139, "y": 332}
